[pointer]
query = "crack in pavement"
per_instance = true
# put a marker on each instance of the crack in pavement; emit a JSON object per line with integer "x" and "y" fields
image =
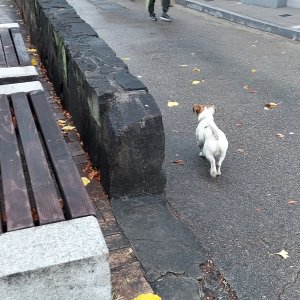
{"x": 288, "y": 284}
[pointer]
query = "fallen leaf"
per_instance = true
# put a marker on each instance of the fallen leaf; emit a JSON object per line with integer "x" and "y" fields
{"x": 291, "y": 201}
{"x": 250, "y": 90}
{"x": 239, "y": 124}
{"x": 270, "y": 105}
{"x": 68, "y": 128}
{"x": 31, "y": 50}
{"x": 240, "y": 150}
{"x": 280, "y": 135}
{"x": 253, "y": 70}
{"x": 291, "y": 133}
{"x": 125, "y": 58}
{"x": 283, "y": 254}
{"x": 197, "y": 81}
{"x": 34, "y": 62}
{"x": 196, "y": 70}
{"x": 85, "y": 181}
{"x": 61, "y": 122}
{"x": 178, "y": 162}
{"x": 172, "y": 103}
{"x": 183, "y": 65}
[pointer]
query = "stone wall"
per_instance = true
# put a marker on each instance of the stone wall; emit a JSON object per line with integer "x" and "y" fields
{"x": 118, "y": 120}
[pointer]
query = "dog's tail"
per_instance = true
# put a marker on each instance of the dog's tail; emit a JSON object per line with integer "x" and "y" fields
{"x": 214, "y": 129}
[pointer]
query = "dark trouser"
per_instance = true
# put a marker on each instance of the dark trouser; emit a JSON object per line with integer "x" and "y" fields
{"x": 164, "y": 3}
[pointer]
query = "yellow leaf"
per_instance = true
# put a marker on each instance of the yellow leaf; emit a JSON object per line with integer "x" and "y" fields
{"x": 125, "y": 58}
{"x": 253, "y": 70}
{"x": 148, "y": 296}
{"x": 61, "y": 122}
{"x": 172, "y": 103}
{"x": 246, "y": 86}
{"x": 34, "y": 62}
{"x": 198, "y": 81}
{"x": 283, "y": 254}
{"x": 183, "y": 65}
{"x": 196, "y": 70}
{"x": 31, "y": 50}
{"x": 270, "y": 105}
{"x": 85, "y": 181}
{"x": 68, "y": 128}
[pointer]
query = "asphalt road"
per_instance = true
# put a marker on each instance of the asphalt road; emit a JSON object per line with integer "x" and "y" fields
{"x": 246, "y": 215}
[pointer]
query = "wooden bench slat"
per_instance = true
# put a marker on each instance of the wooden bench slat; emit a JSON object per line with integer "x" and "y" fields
{"x": 16, "y": 200}
{"x": 24, "y": 59}
{"x": 45, "y": 193}
{"x": 9, "y": 49}
{"x": 76, "y": 199}
{"x": 2, "y": 56}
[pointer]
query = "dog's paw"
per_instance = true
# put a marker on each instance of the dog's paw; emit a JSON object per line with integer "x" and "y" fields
{"x": 213, "y": 173}
{"x": 219, "y": 173}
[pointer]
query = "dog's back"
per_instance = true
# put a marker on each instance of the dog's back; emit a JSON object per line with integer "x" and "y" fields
{"x": 212, "y": 141}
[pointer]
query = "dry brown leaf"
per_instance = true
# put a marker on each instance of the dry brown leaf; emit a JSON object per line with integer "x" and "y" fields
{"x": 178, "y": 162}
{"x": 280, "y": 135}
{"x": 291, "y": 201}
{"x": 270, "y": 105}
{"x": 240, "y": 150}
{"x": 249, "y": 89}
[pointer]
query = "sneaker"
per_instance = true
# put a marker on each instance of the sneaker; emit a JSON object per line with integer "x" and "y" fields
{"x": 166, "y": 17}
{"x": 152, "y": 17}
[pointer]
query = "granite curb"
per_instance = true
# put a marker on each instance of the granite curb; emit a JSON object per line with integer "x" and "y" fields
{"x": 242, "y": 19}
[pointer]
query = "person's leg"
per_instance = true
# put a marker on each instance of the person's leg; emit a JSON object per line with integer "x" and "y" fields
{"x": 151, "y": 7}
{"x": 165, "y": 5}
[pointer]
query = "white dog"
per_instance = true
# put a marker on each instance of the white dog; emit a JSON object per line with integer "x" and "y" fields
{"x": 212, "y": 141}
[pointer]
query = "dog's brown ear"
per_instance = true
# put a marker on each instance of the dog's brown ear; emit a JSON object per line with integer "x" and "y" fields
{"x": 197, "y": 108}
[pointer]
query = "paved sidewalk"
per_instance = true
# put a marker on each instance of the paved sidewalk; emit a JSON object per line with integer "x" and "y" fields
{"x": 283, "y": 21}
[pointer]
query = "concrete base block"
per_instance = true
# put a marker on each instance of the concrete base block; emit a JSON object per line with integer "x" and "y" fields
{"x": 65, "y": 260}
{"x": 17, "y": 74}
{"x": 10, "y": 25}
{"x": 24, "y": 87}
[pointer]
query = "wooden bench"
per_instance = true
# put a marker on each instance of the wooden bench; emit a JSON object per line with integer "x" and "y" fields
{"x": 40, "y": 182}
{"x": 15, "y": 63}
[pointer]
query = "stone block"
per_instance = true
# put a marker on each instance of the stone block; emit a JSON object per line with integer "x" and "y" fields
{"x": 118, "y": 120}
{"x": 65, "y": 260}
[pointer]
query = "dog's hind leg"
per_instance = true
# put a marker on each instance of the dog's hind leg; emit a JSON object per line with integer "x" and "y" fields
{"x": 219, "y": 163}
{"x": 213, "y": 170}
